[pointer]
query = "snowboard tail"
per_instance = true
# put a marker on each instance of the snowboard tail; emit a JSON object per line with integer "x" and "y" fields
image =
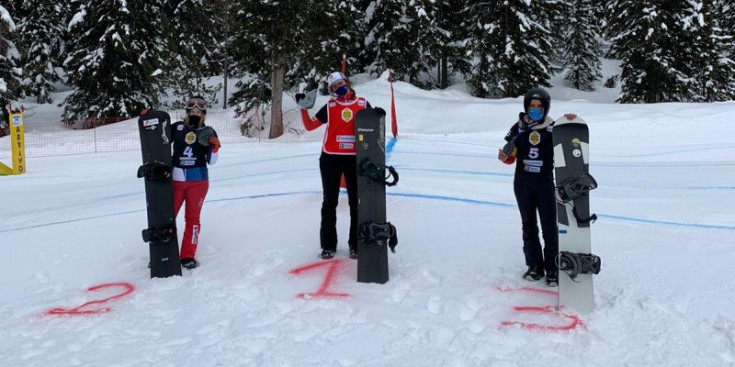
{"x": 155, "y": 143}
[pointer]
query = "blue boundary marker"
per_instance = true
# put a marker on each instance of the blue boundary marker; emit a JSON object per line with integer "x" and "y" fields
{"x": 408, "y": 195}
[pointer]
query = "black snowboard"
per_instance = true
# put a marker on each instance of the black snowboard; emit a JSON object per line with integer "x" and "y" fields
{"x": 573, "y": 183}
{"x": 155, "y": 143}
{"x": 375, "y": 234}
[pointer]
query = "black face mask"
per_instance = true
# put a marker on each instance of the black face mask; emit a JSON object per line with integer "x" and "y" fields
{"x": 193, "y": 121}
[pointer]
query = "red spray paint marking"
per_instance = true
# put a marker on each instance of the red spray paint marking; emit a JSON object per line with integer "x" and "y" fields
{"x": 94, "y": 307}
{"x": 334, "y": 266}
{"x": 572, "y": 321}
{"x": 529, "y": 290}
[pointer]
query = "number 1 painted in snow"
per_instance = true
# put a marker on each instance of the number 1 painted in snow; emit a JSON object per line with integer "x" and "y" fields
{"x": 333, "y": 267}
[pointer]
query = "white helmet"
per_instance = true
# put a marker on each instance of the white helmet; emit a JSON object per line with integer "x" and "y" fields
{"x": 335, "y": 77}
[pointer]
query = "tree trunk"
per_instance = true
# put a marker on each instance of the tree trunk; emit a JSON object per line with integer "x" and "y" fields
{"x": 445, "y": 72}
{"x": 226, "y": 68}
{"x": 278, "y": 70}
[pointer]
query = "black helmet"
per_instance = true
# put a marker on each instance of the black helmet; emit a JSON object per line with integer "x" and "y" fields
{"x": 540, "y": 94}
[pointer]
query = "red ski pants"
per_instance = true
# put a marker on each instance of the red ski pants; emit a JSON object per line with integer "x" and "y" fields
{"x": 193, "y": 193}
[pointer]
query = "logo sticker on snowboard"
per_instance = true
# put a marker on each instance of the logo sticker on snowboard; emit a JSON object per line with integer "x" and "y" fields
{"x": 150, "y": 123}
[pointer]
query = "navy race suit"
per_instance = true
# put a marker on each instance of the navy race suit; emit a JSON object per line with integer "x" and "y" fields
{"x": 534, "y": 150}
{"x": 534, "y": 189}
{"x": 189, "y": 156}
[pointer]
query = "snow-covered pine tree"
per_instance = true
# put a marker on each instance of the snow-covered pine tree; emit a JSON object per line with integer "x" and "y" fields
{"x": 712, "y": 69}
{"x": 194, "y": 35}
{"x": 336, "y": 31}
{"x": 725, "y": 9}
{"x": 648, "y": 38}
{"x": 386, "y": 38}
{"x": 250, "y": 54}
{"x": 116, "y": 63}
{"x": 511, "y": 44}
{"x": 41, "y": 32}
{"x": 602, "y": 18}
{"x": 406, "y": 36}
{"x": 272, "y": 56}
{"x": 481, "y": 30}
{"x": 69, "y": 10}
{"x": 449, "y": 40}
{"x": 10, "y": 73}
{"x": 438, "y": 31}
{"x": 582, "y": 47}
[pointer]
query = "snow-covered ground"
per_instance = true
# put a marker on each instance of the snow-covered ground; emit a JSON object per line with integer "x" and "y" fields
{"x": 455, "y": 296}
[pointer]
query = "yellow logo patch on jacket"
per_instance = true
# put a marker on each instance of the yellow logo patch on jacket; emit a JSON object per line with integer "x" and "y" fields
{"x": 534, "y": 138}
{"x": 191, "y": 137}
{"x": 347, "y": 115}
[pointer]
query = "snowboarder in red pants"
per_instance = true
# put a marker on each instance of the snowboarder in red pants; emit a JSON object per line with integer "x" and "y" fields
{"x": 195, "y": 146}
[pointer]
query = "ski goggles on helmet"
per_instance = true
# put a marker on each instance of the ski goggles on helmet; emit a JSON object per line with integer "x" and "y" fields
{"x": 197, "y": 103}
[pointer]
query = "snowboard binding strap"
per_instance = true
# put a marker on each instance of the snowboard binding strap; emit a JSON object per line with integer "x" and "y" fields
{"x": 155, "y": 171}
{"x": 160, "y": 234}
{"x": 574, "y": 188}
{"x": 592, "y": 218}
{"x": 376, "y": 172}
{"x": 379, "y": 232}
{"x": 578, "y": 263}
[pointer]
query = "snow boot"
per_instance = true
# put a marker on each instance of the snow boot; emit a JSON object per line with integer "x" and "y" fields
{"x": 534, "y": 273}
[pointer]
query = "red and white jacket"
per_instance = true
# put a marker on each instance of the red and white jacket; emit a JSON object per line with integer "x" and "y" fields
{"x": 339, "y": 115}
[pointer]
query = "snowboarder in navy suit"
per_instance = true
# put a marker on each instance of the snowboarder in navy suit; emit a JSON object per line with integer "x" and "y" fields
{"x": 530, "y": 146}
{"x": 194, "y": 146}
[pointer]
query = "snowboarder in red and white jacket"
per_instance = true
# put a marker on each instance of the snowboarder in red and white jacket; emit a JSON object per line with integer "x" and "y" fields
{"x": 337, "y": 158}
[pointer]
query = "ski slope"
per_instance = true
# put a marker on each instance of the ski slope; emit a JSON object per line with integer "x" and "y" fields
{"x": 455, "y": 296}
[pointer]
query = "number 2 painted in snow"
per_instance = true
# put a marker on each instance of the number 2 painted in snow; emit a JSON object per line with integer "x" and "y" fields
{"x": 94, "y": 307}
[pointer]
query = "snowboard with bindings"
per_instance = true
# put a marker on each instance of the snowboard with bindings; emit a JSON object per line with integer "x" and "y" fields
{"x": 375, "y": 234}
{"x": 155, "y": 144}
{"x": 573, "y": 182}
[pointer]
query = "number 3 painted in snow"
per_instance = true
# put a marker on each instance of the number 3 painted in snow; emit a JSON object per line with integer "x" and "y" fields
{"x": 569, "y": 322}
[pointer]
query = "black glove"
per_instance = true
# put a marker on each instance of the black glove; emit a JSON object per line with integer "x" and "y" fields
{"x": 510, "y": 146}
{"x": 204, "y": 135}
{"x": 380, "y": 111}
